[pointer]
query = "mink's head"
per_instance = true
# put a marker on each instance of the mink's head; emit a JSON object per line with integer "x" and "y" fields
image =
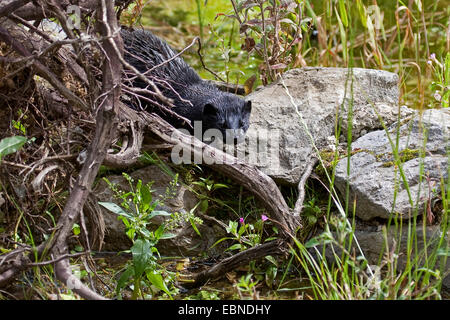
{"x": 228, "y": 114}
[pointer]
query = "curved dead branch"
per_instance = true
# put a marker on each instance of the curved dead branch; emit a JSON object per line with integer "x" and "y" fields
{"x": 275, "y": 247}
{"x": 130, "y": 151}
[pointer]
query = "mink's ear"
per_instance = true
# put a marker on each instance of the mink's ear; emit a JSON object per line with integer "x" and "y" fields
{"x": 210, "y": 110}
{"x": 248, "y": 107}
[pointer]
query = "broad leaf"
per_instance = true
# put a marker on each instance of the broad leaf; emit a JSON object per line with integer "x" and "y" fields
{"x": 235, "y": 247}
{"x": 157, "y": 280}
{"x": 142, "y": 254}
{"x": 114, "y": 208}
{"x": 146, "y": 197}
{"x": 123, "y": 280}
{"x": 158, "y": 213}
{"x": 11, "y": 145}
{"x": 168, "y": 235}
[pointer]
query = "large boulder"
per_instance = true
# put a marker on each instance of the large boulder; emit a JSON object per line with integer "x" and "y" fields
{"x": 322, "y": 94}
{"x": 375, "y": 181}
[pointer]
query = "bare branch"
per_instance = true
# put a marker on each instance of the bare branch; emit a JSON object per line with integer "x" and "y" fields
{"x": 239, "y": 259}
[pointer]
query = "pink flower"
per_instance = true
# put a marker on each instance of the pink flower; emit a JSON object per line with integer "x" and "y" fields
{"x": 241, "y": 220}
{"x": 264, "y": 217}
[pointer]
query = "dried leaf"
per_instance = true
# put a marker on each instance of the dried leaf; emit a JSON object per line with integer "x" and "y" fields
{"x": 249, "y": 83}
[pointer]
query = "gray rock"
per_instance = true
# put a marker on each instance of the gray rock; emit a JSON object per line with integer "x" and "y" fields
{"x": 373, "y": 242}
{"x": 186, "y": 243}
{"x": 284, "y": 147}
{"x": 373, "y": 239}
{"x": 374, "y": 177}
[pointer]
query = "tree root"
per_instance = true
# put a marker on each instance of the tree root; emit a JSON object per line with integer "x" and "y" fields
{"x": 275, "y": 247}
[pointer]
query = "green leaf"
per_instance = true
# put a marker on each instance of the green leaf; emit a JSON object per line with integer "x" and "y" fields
{"x": 371, "y": 30}
{"x": 343, "y": 37}
{"x": 114, "y": 208}
{"x": 123, "y": 280}
{"x": 158, "y": 213}
{"x": 219, "y": 186}
{"x": 76, "y": 229}
{"x": 145, "y": 232}
{"x": 11, "y": 145}
{"x": 146, "y": 197}
{"x": 242, "y": 230}
{"x": 362, "y": 13}
{"x": 419, "y": 5}
{"x": 159, "y": 232}
{"x": 272, "y": 260}
{"x": 220, "y": 240}
{"x": 168, "y": 235}
{"x": 443, "y": 252}
{"x": 142, "y": 254}
{"x": 232, "y": 227}
{"x": 157, "y": 280}
{"x": 19, "y": 126}
{"x": 138, "y": 186}
{"x": 203, "y": 205}
{"x": 312, "y": 243}
{"x": 447, "y": 69}
{"x": 311, "y": 12}
{"x": 235, "y": 247}
{"x": 194, "y": 226}
{"x": 343, "y": 12}
{"x": 130, "y": 233}
{"x": 125, "y": 221}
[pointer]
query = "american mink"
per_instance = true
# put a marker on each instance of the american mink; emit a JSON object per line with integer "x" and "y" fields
{"x": 216, "y": 109}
